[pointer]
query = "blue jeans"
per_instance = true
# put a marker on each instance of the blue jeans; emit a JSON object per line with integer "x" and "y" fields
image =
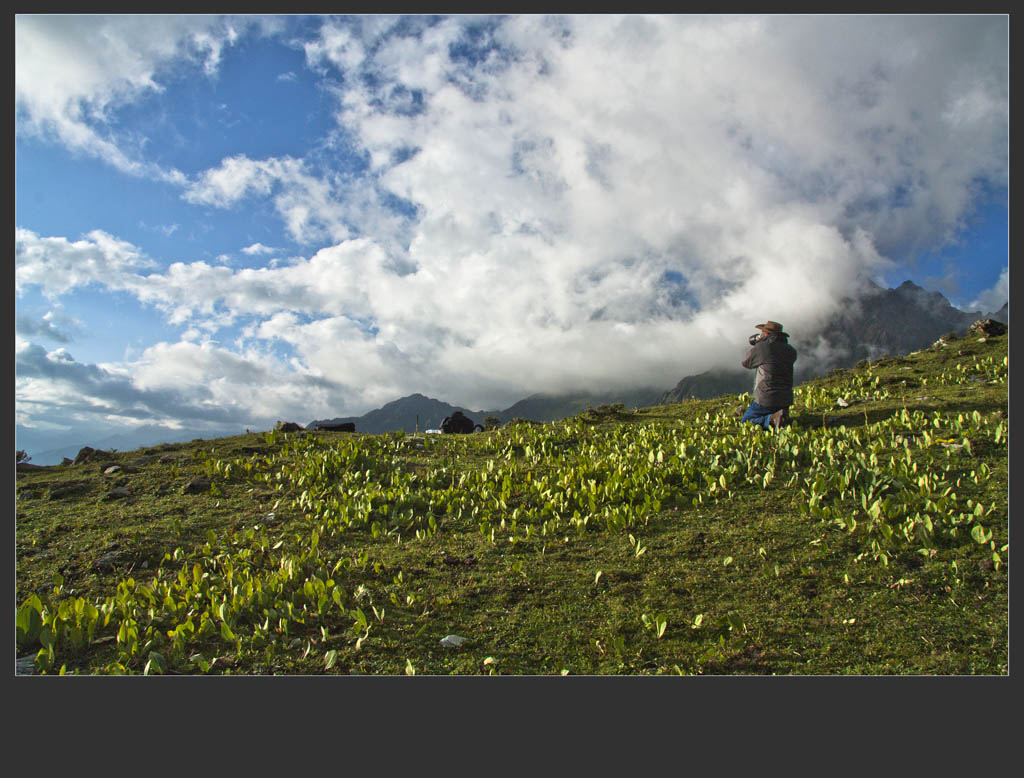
{"x": 760, "y": 414}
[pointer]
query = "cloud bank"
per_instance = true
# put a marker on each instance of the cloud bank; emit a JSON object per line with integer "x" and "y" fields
{"x": 544, "y": 203}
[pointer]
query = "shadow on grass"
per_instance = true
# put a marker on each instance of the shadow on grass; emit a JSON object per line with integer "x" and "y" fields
{"x": 859, "y": 419}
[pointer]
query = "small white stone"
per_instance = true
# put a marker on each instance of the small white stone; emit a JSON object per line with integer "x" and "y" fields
{"x": 452, "y": 641}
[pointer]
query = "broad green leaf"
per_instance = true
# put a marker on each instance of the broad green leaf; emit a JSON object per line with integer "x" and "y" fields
{"x": 330, "y": 658}
{"x": 980, "y": 534}
{"x": 28, "y": 620}
{"x": 156, "y": 664}
{"x": 360, "y": 617}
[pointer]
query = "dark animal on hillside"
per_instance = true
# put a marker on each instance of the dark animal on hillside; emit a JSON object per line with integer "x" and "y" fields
{"x": 458, "y": 423}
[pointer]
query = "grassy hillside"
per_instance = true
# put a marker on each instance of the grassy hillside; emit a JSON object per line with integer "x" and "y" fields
{"x": 865, "y": 539}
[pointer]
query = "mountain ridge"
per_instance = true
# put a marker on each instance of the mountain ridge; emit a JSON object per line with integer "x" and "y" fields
{"x": 416, "y": 412}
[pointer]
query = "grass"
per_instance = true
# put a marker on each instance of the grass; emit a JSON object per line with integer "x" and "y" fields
{"x": 605, "y": 544}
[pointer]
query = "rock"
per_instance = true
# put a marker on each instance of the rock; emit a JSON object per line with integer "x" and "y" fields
{"x": 451, "y": 559}
{"x": 108, "y": 561}
{"x": 348, "y": 426}
{"x": 68, "y": 489}
{"x": 452, "y": 641}
{"x": 88, "y": 454}
{"x": 196, "y": 486}
{"x": 145, "y": 460}
{"x": 988, "y": 327}
{"x": 66, "y": 461}
{"x": 112, "y": 469}
{"x": 83, "y": 455}
{"x": 842, "y": 403}
{"x": 287, "y": 426}
{"x": 117, "y": 493}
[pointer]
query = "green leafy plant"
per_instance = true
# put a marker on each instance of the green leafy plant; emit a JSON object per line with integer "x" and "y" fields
{"x": 656, "y": 623}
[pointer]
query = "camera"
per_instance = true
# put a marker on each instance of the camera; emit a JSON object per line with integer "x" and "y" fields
{"x": 753, "y": 339}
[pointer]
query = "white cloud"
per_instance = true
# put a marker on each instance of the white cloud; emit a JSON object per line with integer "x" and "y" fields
{"x": 311, "y": 209}
{"x": 164, "y": 229}
{"x": 236, "y": 178}
{"x": 258, "y": 248}
{"x": 598, "y": 200}
{"x": 991, "y": 300}
{"x": 58, "y": 265}
{"x": 194, "y": 384}
{"x": 72, "y": 71}
{"x": 53, "y": 326}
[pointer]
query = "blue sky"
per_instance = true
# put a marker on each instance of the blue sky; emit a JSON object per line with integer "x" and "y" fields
{"x": 225, "y": 221}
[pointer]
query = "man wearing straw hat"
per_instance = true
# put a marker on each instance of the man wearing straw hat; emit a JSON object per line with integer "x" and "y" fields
{"x": 772, "y": 357}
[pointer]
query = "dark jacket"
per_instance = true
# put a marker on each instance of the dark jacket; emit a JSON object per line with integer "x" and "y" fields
{"x": 773, "y": 359}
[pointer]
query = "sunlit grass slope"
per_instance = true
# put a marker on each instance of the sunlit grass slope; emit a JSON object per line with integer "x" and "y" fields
{"x": 870, "y": 537}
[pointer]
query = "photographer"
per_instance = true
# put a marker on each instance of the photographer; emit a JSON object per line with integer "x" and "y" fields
{"x": 772, "y": 357}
